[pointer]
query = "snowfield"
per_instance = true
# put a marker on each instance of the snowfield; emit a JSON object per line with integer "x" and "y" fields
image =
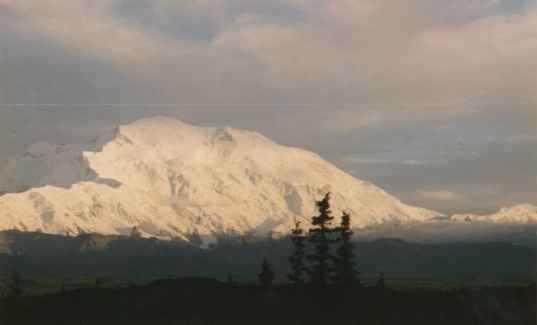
{"x": 174, "y": 180}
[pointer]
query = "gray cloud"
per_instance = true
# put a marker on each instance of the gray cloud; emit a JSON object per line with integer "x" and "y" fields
{"x": 419, "y": 97}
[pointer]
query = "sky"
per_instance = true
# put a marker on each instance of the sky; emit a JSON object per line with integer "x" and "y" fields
{"x": 435, "y": 101}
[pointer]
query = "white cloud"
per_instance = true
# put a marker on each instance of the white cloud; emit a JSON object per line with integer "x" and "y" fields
{"x": 417, "y": 54}
{"x": 382, "y": 75}
{"x": 90, "y": 29}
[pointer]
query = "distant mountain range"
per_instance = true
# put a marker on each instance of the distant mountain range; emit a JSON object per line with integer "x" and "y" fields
{"x": 521, "y": 213}
{"x": 169, "y": 179}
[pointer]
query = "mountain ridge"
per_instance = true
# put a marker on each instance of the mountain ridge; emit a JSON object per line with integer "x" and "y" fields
{"x": 171, "y": 179}
{"x": 518, "y": 213}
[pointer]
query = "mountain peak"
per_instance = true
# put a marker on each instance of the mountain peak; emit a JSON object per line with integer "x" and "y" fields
{"x": 224, "y": 134}
{"x": 172, "y": 179}
{"x": 155, "y": 130}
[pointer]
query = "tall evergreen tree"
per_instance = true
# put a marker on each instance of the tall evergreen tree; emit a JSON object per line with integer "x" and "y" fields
{"x": 11, "y": 296}
{"x": 345, "y": 265}
{"x": 267, "y": 275}
{"x": 297, "y": 262}
{"x": 381, "y": 283}
{"x": 320, "y": 233}
{"x": 13, "y": 287}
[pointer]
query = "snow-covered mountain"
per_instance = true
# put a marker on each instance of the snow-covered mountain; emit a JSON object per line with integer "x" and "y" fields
{"x": 517, "y": 214}
{"x": 171, "y": 179}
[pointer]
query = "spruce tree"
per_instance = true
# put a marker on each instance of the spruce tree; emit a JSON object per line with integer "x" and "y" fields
{"x": 266, "y": 277}
{"x": 13, "y": 293}
{"x": 321, "y": 269}
{"x": 297, "y": 259}
{"x": 14, "y": 286}
{"x": 381, "y": 283}
{"x": 345, "y": 266}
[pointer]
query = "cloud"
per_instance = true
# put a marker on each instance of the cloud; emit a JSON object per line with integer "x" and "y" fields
{"x": 410, "y": 59}
{"x": 91, "y": 30}
{"x": 423, "y": 94}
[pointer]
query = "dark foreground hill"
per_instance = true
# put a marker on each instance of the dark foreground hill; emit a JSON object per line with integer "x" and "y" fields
{"x": 205, "y": 301}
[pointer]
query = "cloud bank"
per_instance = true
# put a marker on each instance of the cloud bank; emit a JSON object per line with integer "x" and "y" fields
{"x": 417, "y": 96}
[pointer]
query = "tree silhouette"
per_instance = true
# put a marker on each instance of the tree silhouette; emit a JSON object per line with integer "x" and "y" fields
{"x": 13, "y": 287}
{"x": 345, "y": 273}
{"x": 266, "y": 277}
{"x": 381, "y": 283}
{"x": 297, "y": 259}
{"x": 12, "y": 296}
{"x": 319, "y": 236}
